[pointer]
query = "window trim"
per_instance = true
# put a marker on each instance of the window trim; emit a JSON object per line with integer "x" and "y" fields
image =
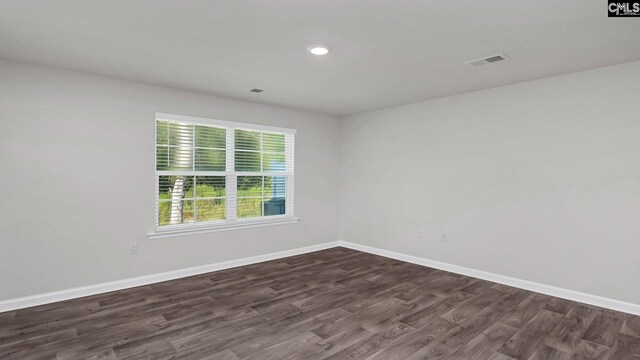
{"x": 224, "y": 226}
{"x": 231, "y": 222}
{"x": 225, "y": 123}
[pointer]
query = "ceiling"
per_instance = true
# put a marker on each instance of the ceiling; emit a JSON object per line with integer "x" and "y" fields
{"x": 384, "y": 52}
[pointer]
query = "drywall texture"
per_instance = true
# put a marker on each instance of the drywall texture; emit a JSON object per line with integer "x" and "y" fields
{"x": 538, "y": 180}
{"x": 77, "y": 160}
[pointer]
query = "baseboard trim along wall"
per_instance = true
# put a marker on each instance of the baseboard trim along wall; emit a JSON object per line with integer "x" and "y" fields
{"x": 501, "y": 279}
{"x": 51, "y": 297}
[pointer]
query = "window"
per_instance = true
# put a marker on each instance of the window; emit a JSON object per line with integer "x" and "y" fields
{"x": 212, "y": 173}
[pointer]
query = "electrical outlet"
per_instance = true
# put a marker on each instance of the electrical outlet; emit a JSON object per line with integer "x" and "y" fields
{"x": 444, "y": 237}
{"x": 421, "y": 234}
{"x": 134, "y": 248}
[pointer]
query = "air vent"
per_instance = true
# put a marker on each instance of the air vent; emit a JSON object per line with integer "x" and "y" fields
{"x": 257, "y": 91}
{"x": 486, "y": 60}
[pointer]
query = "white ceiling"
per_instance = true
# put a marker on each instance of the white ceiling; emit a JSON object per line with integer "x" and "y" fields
{"x": 385, "y": 52}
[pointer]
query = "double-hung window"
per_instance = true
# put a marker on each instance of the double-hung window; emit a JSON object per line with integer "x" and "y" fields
{"x": 220, "y": 174}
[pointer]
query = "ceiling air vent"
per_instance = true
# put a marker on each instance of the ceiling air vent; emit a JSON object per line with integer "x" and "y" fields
{"x": 486, "y": 60}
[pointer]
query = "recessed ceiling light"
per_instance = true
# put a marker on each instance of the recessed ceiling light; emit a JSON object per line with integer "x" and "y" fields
{"x": 318, "y": 49}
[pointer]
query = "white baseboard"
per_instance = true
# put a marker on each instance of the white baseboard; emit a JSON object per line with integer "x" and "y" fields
{"x": 501, "y": 279}
{"x": 51, "y": 297}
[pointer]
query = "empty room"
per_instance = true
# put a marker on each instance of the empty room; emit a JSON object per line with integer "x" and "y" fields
{"x": 319, "y": 179}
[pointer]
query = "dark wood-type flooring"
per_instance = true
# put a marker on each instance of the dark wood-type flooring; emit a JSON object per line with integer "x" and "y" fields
{"x": 331, "y": 304}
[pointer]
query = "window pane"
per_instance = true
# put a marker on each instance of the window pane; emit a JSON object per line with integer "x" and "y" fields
{"x": 161, "y": 133}
{"x": 249, "y": 207}
{"x": 175, "y": 187}
{"x": 210, "y": 160}
{"x": 209, "y": 210}
{"x": 274, "y": 187}
{"x": 273, "y": 142}
{"x": 249, "y": 196}
{"x": 162, "y": 156}
{"x": 273, "y": 162}
{"x": 247, "y": 140}
{"x": 172, "y": 207}
{"x": 180, "y": 134}
{"x": 247, "y": 161}
{"x": 274, "y": 195}
{"x": 175, "y": 212}
{"x": 250, "y": 186}
{"x": 210, "y": 137}
{"x": 187, "y": 211}
{"x": 173, "y": 158}
{"x": 164, "y": 212}
{"x": 210, "y": 186}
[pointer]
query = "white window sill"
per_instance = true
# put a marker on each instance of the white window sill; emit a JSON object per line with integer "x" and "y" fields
{"x": 237, "y": 225}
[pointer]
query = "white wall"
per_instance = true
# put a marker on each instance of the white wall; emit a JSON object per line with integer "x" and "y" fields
{"x": 77, "y": 162}
{"x": 538, "y": 180}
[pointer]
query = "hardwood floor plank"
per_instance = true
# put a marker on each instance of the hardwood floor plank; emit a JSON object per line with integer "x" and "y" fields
{"x": 567, "y": 335}
{"x": 499, "y": 356}
{"x": 424, "y": 316}
{"x": 222, "y": 355}
{"x": 478, "y": 287}
{"x": 626, "y": 348}
{"x": 588, "y": 350}
{"x": 298, "y": 347}
{"x": 372, "y": 344}
{"x": 485, "y": 344}
{"x": 256, "y": 346}
{"x": 547, "y": 353}
{"x": 408, "y": 345}
{"x": 469, "y": 308}
{"x": 604, "y": 328}
{"x": 526, "y": 341}
{"x": 342, "y": 341}
{"x": 558, "y": 305}
{"x": 464, "y": 333}
{"x": 631, "y": 326}
{"x": 526, "y": 310}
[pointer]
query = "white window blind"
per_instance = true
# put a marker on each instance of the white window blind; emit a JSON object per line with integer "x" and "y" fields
{"x": 214, "y": 173}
